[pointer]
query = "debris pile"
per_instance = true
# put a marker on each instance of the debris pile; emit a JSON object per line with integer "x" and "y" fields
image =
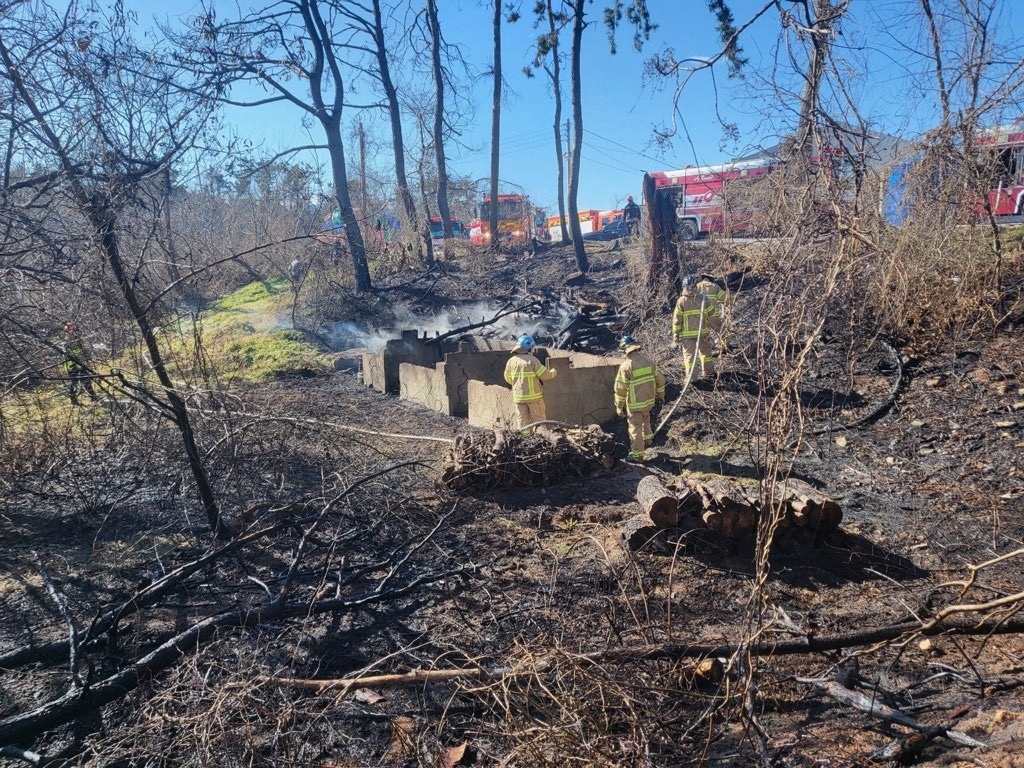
{"x": 593, "y": 326}
{"x": 482, "y": 461}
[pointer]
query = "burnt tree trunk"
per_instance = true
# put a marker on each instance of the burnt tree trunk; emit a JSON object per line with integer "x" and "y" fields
{"x": 663, "y": 261}
{"x": 395, "y": 117}
{"x": 582, "y": 263}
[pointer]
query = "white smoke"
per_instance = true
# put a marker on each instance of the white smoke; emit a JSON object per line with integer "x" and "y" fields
{"x": 346, "y": 334}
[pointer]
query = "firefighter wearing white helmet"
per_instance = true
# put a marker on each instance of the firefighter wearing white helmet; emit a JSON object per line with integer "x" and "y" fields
{"x": 639, "y": 384}
{"x": 526, "y": 374}
{"x": 699, "y": 311}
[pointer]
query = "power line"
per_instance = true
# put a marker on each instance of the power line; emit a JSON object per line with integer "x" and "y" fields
{"x": 660, "y": 161}
{"x": 615, "y": 158}
{"x": 609, "y": 165}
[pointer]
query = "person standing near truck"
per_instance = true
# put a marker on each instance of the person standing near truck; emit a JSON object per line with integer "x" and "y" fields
{"x": 631, "y": 215}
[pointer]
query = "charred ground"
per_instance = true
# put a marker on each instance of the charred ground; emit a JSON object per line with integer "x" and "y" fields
{"x": 362, "y": 566}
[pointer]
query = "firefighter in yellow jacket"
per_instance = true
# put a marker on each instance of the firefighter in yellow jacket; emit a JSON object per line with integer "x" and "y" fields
{"x": 699, "y": 311}
{"x": 527, "y": 375}
{"x": 639, "y": 384}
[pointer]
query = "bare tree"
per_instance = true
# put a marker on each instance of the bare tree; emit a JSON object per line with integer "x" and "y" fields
{"x": 371, "y": 23}
{"x": 495, "y": 128}
{"x": 575, "y": 11}
{"x": 577, "y": 8}
{"x": 437, "y": 70}
{"x": 291, "y": 49}
{"x": 101, "y": 167}
{"x": 547, "y": 45}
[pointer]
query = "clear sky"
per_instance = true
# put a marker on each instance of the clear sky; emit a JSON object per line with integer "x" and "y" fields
{"x": 622, "y": 106}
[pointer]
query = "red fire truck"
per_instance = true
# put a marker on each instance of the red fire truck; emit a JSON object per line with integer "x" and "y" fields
{"x": 1007, "y": 193}
{"x": 515, "y": 220}
{"x": 708, "y": 198}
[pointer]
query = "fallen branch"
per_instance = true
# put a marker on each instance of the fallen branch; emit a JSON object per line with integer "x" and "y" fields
{"x": 877, "y": 412}
{"x": 149, "y": 595}
{"x": 414, "y": 677}
{"x": 331, "y": 424}
{"x": 875, "y": 708}
{"x": 80, "y": 700}
{"x": 668, "y": 651}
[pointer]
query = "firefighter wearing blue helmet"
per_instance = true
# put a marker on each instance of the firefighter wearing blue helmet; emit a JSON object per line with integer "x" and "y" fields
{"x": 526, "y": 375}
{"x": 639, "y": 385}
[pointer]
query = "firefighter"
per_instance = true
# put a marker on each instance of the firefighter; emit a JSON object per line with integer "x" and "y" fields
{"x": 639, "y": 384}
{"x": 526, "y": 374}
{"x": 631, "y": 215}
{"x": 76, "y": 364}
{"x": 699, "y": 311}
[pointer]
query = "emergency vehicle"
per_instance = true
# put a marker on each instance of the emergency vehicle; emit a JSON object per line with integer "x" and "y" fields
{"x": 1006, "y": 195}
{"x": 591, "y": 220}
{"x": 515, "y": 220}
{"x": 437, "y": 238}
{"x": 900, "y": 193}
{"x": 709, "y": 198}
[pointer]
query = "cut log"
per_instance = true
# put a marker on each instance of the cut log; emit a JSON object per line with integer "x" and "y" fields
{"x": 808, "y": 507}
{"x": 688, "y": 499}
{"x": 638, "y": 532}
{"x": 658, "y": 502}
{"x": 726, "y": 507}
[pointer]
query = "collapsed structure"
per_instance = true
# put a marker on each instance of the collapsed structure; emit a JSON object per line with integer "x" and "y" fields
{"x": 465, "y": 377}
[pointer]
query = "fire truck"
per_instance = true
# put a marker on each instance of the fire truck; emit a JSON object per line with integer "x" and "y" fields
{"x": 515, "y": 220}
{"x": 901, "y": 194}
{"x": 1006, "y": 196}
{"x": 714, "y": 198}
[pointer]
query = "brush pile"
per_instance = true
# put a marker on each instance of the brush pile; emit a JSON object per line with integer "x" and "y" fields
{"x": 482, "y": 461}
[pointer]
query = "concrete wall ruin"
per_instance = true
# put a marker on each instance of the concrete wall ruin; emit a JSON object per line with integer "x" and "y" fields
{"x": 381, "y": 370}
{"x": 469, "y": 381}
{"x": 582, "y": 393}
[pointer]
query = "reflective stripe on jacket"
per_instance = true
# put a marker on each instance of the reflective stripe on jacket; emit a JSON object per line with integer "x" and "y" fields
{"x": 716, "y": 296}
{"x": 525, "y": 373}
{"x": 686, "y": 318}
{"x": 638, "y": 384}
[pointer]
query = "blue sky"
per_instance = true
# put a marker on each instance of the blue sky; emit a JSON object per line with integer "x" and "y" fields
{"x": 622, "y": 107}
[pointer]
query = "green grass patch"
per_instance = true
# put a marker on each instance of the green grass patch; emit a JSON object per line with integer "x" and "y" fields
{"x": 259, "y": 356}
{"x": 244, "y": 338}
{"x": 254, "y": 296}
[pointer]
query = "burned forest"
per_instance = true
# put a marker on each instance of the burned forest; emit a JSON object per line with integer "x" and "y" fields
{"x": 296, "y": 472}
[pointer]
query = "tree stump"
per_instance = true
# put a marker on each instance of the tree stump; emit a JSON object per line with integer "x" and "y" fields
{"x": 658, "y": 502}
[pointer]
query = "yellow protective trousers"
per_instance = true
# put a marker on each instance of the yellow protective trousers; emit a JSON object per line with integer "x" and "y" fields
{"x": 640, "y": 432}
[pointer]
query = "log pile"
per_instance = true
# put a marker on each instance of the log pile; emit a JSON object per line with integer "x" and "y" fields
{"x": 482, "y": 461}
{"x": 723, "y": 506}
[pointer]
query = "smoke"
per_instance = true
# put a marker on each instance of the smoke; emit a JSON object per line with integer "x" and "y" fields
{"x": 543, "y": 326}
